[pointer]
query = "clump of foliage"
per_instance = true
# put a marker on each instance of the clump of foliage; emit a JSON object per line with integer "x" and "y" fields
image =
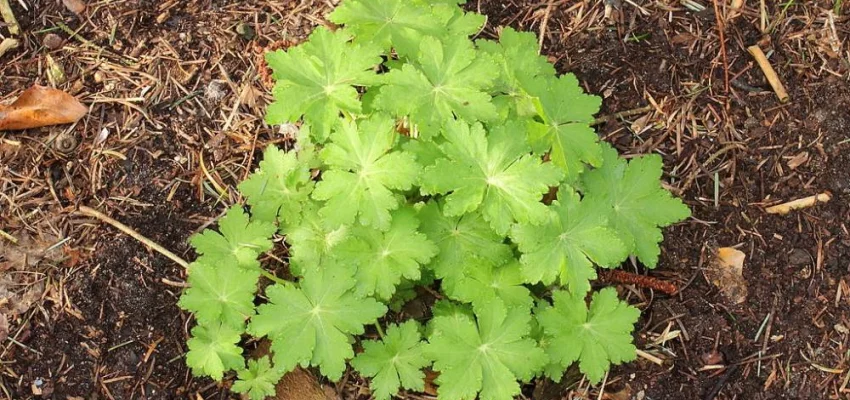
{"x": 423, "y": 161}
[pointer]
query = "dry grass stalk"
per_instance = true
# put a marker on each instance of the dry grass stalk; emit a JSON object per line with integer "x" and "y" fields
{"x": 798, "y": 204}
{"x": 769, "y": 72}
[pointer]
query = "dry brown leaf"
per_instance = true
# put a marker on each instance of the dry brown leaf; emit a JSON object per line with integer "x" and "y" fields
{"x": 75, "y": 6}
{"x": 41, "y": 106}
{"x": 726, "y": 271}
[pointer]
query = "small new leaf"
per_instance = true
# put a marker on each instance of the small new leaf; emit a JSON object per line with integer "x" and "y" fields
{"x": 446, "y": 79}
{"x": 494, "y": 173}
{"x": 240, "y": 242}
{"x": 383, "y": 258}
{"x": 310, "y": 325}
{"x": 565, "y": 132}
{"x": 636, "y": 203}
{"x": 516, "y": 56}
{"x": 596, "y": 338}
{"x": 258, "y": 380}
{"x": 213, "y": 349}
{"x": 395, "y": 361}
{"x": 317, "y": 80}
{"x": 279, "y": 187}
{"x": 575, "y": 237}
{"x": 314, "y": 240}
{"x": 483, "y": 356}
{"x": 364, "y": 172}
{"x": 221, "y": 292}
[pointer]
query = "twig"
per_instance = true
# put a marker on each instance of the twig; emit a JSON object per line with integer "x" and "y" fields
{"x": 8, "y": 44}
{"x": 798, "y": 204}
{"x": 619, "y": 276}
{"x": 135, "y": 235}
{"x": 769, "y": 72}
{"x": 8, "y": 237}
{"x": 543, "y": 25}
{"x": 9, "y": 18}
{"x": 621, "y": 114}
{"x": 650, "y": 357}
{"x": 720, "y": 29}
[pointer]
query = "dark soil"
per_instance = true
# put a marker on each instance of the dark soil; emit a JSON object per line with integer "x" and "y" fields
{"x": 795, "y": 263}
{"x": 116, "y": 332}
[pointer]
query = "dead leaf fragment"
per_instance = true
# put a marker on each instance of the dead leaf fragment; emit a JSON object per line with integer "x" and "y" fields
{"x": 75, "y": 6}
{"x": 726, "y": 271}
{"x": 41, "y": 106}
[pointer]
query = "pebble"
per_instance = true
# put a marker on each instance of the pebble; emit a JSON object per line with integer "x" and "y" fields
{"x": 799, "y": 257}
{"x": 52, "y": 41}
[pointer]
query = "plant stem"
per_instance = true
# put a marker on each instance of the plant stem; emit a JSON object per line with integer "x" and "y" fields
{"x": 272, "y": 277}
{"x": 380, "y": 330}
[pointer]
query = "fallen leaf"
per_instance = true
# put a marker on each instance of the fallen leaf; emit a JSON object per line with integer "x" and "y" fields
{"x": 41, "y": 106}
{"x": 75, "y": 6}
{"x": 726, "y": 271}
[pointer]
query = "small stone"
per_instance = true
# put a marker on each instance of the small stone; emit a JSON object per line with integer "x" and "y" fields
{"x": 52, "y": 41}
{"x": 840, "y": 328}
{"x": 246, "y": 31}
{"x": 799, "y": 257}
{"x": 713, "y": 357}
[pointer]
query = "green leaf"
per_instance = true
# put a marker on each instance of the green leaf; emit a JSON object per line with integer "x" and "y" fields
{"x": 575, "y": 237}
{"x": 486, "y": 355}
{"x": 311, "y": 324}
{"x": 279, "y": 187}
{"x": 401, "y": 24}
{"x": 213, "y": 350}
{"x": 461, "y": 240}
{"x": 317, "y": 80}
{"x": 565, "y": 132}
{"x": 240, "y": 242}
{"x": 519, "y": 63}
{"x": 383, "y": 258}
{"x": 481, "y": 282}
{"x": 364, "y": 172}
{"x": 493, "y": 173}
{"x": 221, "y": 292}
{"x": 447, "y": 79}
{"x": 596, "y": 338}
{"x": 636, "y": 203}
{"x": 313, "y": 241}
{"x": 395, "y": 361}
{"x": 259, "y": 380}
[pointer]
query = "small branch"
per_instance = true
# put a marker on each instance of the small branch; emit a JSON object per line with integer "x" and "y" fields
{"x": 8, "y": 44}
{"x": 650, "y": 357}
{"x": 798, "y": 204}
{"x": 769, "y": 72}
{"x": 135, "y": 235}
{"x": 9, "y": 18}
{"x": 543, "y": 25}
{"x": 721, "y": 28}
{"x": 628, "y": 278}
